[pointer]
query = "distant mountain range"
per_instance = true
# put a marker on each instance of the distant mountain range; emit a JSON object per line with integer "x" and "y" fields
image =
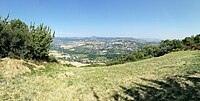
{"x": 97, "y": 38}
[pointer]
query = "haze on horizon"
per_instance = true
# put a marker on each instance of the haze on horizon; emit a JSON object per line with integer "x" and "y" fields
{"x": 159, "y": 19}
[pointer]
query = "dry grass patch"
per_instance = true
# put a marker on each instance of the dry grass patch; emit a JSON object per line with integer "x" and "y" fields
{"x": 11, "y": 67}
{"x": 58, "y": 83}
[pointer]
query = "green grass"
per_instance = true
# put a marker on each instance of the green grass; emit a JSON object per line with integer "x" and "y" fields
{"x": 59, "y": 83}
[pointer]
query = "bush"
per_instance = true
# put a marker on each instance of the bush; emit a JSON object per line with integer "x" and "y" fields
{"x": 18, "y": 40}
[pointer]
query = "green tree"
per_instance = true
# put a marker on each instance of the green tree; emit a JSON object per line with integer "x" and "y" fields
{"x": 20, "y": 41}
{"x": 42, "y": 38}
{"x": 188, "y": 41}
{"x": 4, "y": 37}
{"x": 197, "y": 39}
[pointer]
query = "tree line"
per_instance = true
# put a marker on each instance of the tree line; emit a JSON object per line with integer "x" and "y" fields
{"x": 164, "y": 47}
{"x": 18, "y": 40}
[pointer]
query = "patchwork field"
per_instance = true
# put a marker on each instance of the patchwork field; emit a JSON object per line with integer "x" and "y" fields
{"x": 175, "y": 76}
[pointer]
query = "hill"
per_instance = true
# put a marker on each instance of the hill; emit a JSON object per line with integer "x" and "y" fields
{"x": 175, "y": 76}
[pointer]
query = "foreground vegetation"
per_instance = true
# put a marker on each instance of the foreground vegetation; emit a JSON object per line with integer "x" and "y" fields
{"x": 18, "y": 40}
{"x": 175, "y": 76}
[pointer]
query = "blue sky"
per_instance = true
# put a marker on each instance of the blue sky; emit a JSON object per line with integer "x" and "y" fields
{"x": 161, "y": 19}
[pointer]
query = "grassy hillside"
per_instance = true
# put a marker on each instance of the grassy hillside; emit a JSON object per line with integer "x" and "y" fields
{"x": 175, "y": 76}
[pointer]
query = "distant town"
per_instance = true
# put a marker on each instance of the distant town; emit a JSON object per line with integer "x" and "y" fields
{"x": 94, "y": 49}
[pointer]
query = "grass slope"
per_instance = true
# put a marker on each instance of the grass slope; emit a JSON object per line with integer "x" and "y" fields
{"x": 58, "y": 83}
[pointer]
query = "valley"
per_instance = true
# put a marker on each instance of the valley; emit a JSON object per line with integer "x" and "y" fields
{"x": 95, "y": 50}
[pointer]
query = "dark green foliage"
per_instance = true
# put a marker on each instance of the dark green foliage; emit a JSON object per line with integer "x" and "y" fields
{"x": 145, "y": 52}
{"x": 52, "y": 59}
{"x": 165, "y": 46}
{"x": 42, "y": 38}
{"x": 188, "y": 41}
{"x": 17, "y": 40}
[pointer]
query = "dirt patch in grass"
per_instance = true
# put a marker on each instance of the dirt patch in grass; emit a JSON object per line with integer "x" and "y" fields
{"x": 11, "y": 67}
